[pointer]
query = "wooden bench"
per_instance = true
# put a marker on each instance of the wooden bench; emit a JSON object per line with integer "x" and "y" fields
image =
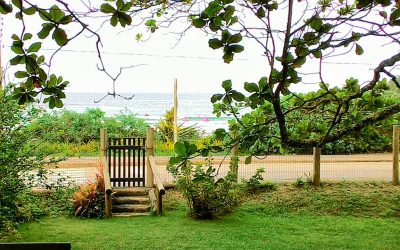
{"x": 36, "y": 246}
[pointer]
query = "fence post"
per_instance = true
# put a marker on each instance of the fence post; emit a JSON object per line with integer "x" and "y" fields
{"x": 317, "y": 166}
{"x": 395, "y": 146}
{"x": 175, "y": 110}
{"x": 234, "y": 162}
{"x": 149, "y": 151}
{"x": 103, "y": 142}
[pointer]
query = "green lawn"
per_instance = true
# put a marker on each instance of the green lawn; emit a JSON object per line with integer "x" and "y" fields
{"x": 335, "y": 216}
{"x": 244, "y": 231}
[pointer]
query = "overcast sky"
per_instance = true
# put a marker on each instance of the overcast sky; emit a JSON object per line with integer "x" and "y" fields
{"x": 197, "y": 67}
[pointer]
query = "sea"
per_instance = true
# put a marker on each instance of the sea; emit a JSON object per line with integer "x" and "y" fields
{"x": 194, "y": 109}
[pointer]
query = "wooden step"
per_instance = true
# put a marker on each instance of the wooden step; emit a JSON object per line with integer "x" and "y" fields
{"x": 129, "y": 214}
{"x": 131, "y": 191}
{"x": 118, "y": 200}
{"x": 129, "y": 208}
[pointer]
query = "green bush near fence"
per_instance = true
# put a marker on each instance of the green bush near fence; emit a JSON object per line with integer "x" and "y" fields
{"x": 81, "y": 128}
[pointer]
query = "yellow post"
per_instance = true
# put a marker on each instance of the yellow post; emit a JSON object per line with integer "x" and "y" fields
{"x": 103, "y": 142}
{"x": 149, "y": 151}
{"x": 395, "y": 146}
{"x": 175, "y": 110}
{"x": 317, "y": 166}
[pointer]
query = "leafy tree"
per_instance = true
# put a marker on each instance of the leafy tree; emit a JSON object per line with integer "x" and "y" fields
{"x": 290, "y": 34}
{"x": 312, "y": 32}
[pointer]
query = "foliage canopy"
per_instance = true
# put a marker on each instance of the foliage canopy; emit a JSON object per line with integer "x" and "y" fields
{"x": 311, "y": 31}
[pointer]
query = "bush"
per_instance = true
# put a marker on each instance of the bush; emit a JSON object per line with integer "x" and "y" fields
{"x": 82, "y": 128}
{"x": 88, "y": 201}
{"x": 207, "y": 196}
{"x": 17, "y": 159}
{"x": 166, "y": 128}
{"x": 257, "y": 184}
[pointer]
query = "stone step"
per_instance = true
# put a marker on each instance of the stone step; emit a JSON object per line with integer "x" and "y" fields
{"x": 118, "y": 200}
{"x": 129, "y": 208}
{"x": 131, "y": 191}
{"x": 129, "y": 214}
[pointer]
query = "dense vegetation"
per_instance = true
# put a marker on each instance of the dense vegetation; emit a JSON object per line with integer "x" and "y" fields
{"x": 17, "y": 160}
{"x": 71, "y": 133}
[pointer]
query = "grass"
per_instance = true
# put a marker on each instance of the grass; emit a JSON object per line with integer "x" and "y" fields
{"x": 372, "y": 199}
{"x": 336, "y": 216}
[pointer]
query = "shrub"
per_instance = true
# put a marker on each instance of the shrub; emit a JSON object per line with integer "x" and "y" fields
{"x": 166, "y": 127}
{"x": 257, "y": 184}
{"x": 16, "y": 158}
{"x": 207, "y": 196}
{"x": 88, "y": 201}
{"x": 82, "y": 128}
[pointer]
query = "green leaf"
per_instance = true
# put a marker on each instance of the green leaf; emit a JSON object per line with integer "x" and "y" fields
{"x": 17, "y": 3}
{"x": 174, "y": 160}
{"x": 127, "y": 6}
{"x": 29, "y": 11}
{"x": 5, "y": 8}
{"x": 107, "y": 8}
{"x": 35, "y": 47}
{"x": 192, "y": 149}
{"x": 229, "y": 11}
{"x": 299, "y": 62}
{"x": 16, "y": 60}
{"x": 58, "y": 103}
{"x": 21, "y": 74}
{"x": 46, "y": 28}
{"x": 227, "y": 85}
{"x": 236, "y": 48}
{"x": 124, "y": 19}
{"x": 225, "y": 35}
{"x": 317, "y": 54}
{"x": 15, "y": 37}
{"x": 228, "y": 57}
{"x": 120, "y": 4}
{"x": 198, "y": 22}
{"x": 316, "y": 23}
{"x": 66, "y": 19}
{"x": 251, "y": 87}
{"x": 114, "y": 20}
{"x": 359, "y": 49}
{"x": 17, "y": 47}
{"x": 56, "y": 14}
{"x": 248, "y": 160}
{"x": 205, "y": 152}
{"x": 260, "y": 12}
{"x": 27, "y": 36}
{"x": 180, "y": 149}
{"x": 216, "y": 97}
{"x": 52, "y": 103}
{"x": 234, "y": 20}
{"x": 40, "y": 59}
{"x": 234, "y": 39}
{"x": 215, "y": 43}
{"x": 237, "y": 96}
{"x": 60, "y": 37}
{"x": 394, "y": 15}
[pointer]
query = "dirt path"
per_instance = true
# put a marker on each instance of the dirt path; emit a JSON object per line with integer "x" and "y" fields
{"x": 359, "y": 167}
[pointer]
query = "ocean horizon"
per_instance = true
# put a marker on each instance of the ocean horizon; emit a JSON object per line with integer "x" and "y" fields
{"x": 194, "y": 109}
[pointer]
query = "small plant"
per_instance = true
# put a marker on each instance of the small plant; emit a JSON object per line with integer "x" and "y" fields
{"x": 256, "y": 183}
{"x": 166, "y": 127}
{"x": 300, "y": 182}
{"x": 88, "y": 201}
{"x": 207, "y": 196}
